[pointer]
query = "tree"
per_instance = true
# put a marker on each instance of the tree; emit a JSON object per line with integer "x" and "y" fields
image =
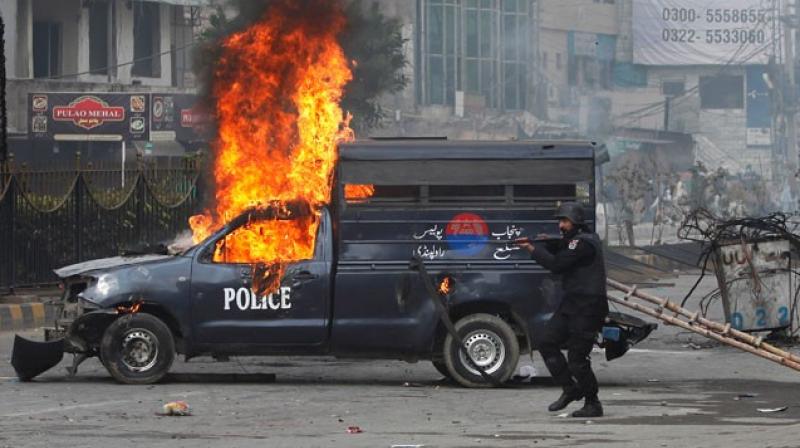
{"x": 373, "y": 41}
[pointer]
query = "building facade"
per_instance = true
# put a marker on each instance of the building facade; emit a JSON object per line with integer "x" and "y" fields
{"x": 471, "y": 67}
{"x": 598, "y": 69}
{"x": 70, "y": 64}
{"x": 688, "y": 67}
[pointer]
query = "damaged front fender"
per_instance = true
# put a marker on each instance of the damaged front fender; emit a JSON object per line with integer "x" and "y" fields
{"x": 32, "y": 358}
{"x": 85, "y": 333}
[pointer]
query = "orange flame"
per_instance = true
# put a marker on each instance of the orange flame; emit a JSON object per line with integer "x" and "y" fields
{"x": 445, "y": 286}
{"x": 354, "y": 192}
{"x": 277, "y": 86}
{"x": 133, "y": 309}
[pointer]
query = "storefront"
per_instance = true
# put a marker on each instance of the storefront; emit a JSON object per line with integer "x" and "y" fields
{"x": 111, "y": 127}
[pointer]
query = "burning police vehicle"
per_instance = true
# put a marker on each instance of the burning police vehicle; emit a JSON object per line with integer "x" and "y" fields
{"x": 412, "y": 258}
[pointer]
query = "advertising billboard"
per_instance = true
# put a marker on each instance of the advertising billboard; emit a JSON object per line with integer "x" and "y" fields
{"x": 704, "y": 32}
{"x": 88, "y": 115}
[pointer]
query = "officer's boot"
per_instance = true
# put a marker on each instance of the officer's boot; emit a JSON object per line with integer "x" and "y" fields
{"x": 591, "y": 408}
{"x": 567, "y": 397}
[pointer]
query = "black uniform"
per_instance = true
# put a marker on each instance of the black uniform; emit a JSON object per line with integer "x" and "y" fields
{"x": 578, "y": 258}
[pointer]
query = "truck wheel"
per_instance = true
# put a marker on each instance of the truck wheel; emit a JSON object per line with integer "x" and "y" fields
{"x": 137, "y": 349}
{"x": 490, "y": 342}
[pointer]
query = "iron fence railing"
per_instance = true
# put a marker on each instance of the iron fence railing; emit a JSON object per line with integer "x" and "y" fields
{"x": 54, "y": 217}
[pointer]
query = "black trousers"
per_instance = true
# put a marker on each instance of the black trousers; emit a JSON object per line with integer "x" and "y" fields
{"x": 578, "y": 332}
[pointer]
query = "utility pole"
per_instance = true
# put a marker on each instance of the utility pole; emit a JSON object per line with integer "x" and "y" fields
{"x": 3, "y": 111}
{"x": 790, "y": 88}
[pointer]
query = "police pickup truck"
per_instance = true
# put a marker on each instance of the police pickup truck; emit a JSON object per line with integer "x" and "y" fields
{"x": 455, "y": 207}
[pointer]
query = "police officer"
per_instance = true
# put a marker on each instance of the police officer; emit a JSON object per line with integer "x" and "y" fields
{"x": 578, "y": 258}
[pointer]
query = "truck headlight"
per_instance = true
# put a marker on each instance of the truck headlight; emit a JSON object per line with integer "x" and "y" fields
{"x": 107, "y": 284}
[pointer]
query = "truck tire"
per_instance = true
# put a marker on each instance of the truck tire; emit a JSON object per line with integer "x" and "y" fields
{"x": 137, "y": 349}
{"x": 491, "y": 343}
{"x": 441, "y": 367}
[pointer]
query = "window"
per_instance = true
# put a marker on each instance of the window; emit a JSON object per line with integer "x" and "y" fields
{"x": 574, "y": 65}
{"x": 721, "y": 92}
{"x": 385, "y": 195}
{"x": 544, "y": 60}
{"x": 528, "y": 193}
{"x": 481, "y": 47}
{"x": 536, "y": 196}
{"x": 359, "y": 194}
{"x": 464, "y": 172}
{"x": 515, "y": 53}
{"x": 590, "y": 59}
{"x": 249, "y": 241}
{"x": 673, "y": 88}
{"x": 101, "y": 27}
{"x": 46, "y": 49}
{"x": 558, "y": 61}
{"x": 481, "y": 68}
{"x": 146, "y": 39}
{"x": 466, "y": 193}
{"x": 441, "y": 51}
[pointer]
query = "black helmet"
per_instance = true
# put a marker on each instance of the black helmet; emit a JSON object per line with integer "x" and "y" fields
{"x": 572, "y": 211}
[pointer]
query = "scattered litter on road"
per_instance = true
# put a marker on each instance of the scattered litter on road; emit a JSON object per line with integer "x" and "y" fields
{"x": 528, "y": 370}
{"x": 177, "y": 409}
{"x": 589, "y": 422}
{"x": 771, "y": 410}
{"x": 740, "y": 396}
{"x": 654, "y": 380}
{"x": 354, "y": 430}
{"x": 525, "y": 374}
{"x": 409, "y": 384}
{"x": 564, "y": 415}
{"x": 406, "y": 446}
{"x": 663, "y": 403}
{"x": 693, "y": 346}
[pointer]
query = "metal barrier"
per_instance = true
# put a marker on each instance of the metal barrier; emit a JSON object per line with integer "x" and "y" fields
{"x": 52, "y": 218}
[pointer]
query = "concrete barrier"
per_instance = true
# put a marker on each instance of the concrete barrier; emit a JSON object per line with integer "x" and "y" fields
{"x": 26, "y": 315}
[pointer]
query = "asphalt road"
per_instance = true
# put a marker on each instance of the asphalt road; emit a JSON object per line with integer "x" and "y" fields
{"x": 663, "y": 394}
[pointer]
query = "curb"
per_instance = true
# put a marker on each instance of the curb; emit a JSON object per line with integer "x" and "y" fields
{"x": 25, "y": 316}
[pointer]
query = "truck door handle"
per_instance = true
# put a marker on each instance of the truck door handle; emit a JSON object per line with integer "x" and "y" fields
{"x": 304, "y": 276}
